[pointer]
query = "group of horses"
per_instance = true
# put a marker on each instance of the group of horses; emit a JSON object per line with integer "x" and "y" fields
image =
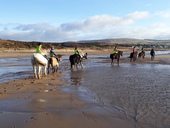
{"x": 40, "y": 62}
{"x": 133, "y": 56}
{"x": 52, "y": 64}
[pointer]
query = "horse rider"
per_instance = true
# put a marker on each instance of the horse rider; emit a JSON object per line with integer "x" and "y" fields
{"x": 142, "y": 50}
{"x": 40, "y": 50}
{"x": 152, "y": 53}
{"x": 133, "y": 51}
{"x": 115, "y": 50}
{"x": 76, "y": 51}
{"x": 52, "y": 53}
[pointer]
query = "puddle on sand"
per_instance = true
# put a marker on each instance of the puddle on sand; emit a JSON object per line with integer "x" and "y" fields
{"x": 14, "y": 105}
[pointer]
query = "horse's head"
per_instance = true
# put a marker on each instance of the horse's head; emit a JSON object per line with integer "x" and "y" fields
{"x": 121, "y": 53}
{"x": 59, "y": 57}
{"x": 84, "y": 56}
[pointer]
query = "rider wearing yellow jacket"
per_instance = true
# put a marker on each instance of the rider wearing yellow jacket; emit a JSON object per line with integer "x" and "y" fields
{"x": 39, "y": 48}
{"x": 76, "y": 51}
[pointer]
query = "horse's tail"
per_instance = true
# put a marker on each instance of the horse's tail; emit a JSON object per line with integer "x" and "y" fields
{"x": 71, "y": 58}
{"x": 111, "y": 56}
{"x": 33, "y": 59}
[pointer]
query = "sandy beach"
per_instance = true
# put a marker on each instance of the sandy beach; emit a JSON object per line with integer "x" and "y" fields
{"x": 32, "y": 103}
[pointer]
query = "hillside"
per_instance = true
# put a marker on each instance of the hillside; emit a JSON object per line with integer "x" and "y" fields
{"x": 91, "y": 44}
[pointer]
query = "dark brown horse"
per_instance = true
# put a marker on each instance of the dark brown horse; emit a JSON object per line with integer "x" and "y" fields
{"x": 75, "y": 60}
{"x": 116, "y": 56}
{"x": 133, "y": 56}
{"x": 141, "y": 54}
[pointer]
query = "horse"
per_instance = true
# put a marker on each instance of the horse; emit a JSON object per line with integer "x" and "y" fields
{"x": 38, "y": 60}
{"x": 54, "y": 63}
{"x": 133, "y": 56}
{"x": 141, "y": 54}
{"x": 116, "y": 56}
{"x": 75, "y": 59}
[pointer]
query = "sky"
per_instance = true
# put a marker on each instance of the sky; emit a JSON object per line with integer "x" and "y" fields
{"x": 75, "y": 20}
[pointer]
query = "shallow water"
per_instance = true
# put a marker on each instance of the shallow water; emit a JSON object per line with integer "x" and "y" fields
{"x": 14, "y": 68}
{"x": 141, "y": 91}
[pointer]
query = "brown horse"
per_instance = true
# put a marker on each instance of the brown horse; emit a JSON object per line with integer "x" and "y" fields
{"x": 141, "y": 54}
{"x": 133, "y": 56}
{"x": 53, "y": 62}
{"x": 116, "y": 56}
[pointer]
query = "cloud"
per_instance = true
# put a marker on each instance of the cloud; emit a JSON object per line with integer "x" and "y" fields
{"x": 163, "y": 14}
{"x": 34, "y": 27}
{"x": 95, "y": 27}
{"x": 34, "y": 32}
{"x": 99, "y": 22}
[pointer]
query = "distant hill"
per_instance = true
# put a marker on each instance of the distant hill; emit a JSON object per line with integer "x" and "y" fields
{"x": 92, "y": 44}
{"x": 129, "y": 41}
{"x": 117, "y": 41}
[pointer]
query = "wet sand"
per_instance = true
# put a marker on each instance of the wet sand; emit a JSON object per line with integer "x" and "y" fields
{"x": 32, "y": 103}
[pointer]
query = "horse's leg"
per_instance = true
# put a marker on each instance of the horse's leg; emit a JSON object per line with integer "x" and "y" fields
{"x": 153, "y": 57}
{"x": 134, "y": 58}
{"x": 76, "y": 65}
{"x": 52, "y": 68}
{"x": 72, "y": 66}
{"x": 57, "y": 67}
{"x": 81, "y": 64}
{"x": 112, "y": 61}
{"x": 35, "y": 71}
{"x": 48, "y": 69}
{"x": 143, "y": 56}
{"x": 118, "y": 60}
{"x": 39, "y": 72}
{"x": 131, "y": 56}
{"x": 45, "y": 70}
